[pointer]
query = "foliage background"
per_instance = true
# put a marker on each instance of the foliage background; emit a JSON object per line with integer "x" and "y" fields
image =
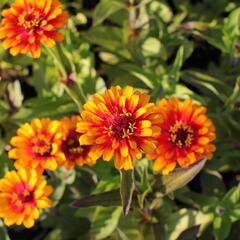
{"x": 166, "y": 48}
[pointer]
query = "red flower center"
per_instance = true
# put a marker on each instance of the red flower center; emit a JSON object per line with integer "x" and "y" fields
{"x": 30, "y": 20}
{"x": 26, "y": 196}
{"x": 181, "y": 134}
{"x": 42, "y": 146}
{"x": 71, "y": 145}
{"x": 121, "y": 126}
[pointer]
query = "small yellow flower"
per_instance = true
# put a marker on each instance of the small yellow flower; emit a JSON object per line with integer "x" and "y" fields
{"x": 37, "y": 145}
{"x": 22, "y": 193}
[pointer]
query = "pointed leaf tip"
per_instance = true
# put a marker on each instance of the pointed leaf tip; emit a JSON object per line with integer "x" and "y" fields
{"x": 106, "y": 199}
{"x": 181, "y": 176}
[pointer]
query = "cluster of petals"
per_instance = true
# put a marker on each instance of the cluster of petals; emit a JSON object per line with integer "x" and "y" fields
{"x": 47, "y": 144}
{"x": 75, "y": 154}
{"x": 37, "y": 145}
{"x": 186, "y": 136}
{"x": 22, "y": 194}
{"x": 120, "y": 124}
{"x": 27, "y": 23}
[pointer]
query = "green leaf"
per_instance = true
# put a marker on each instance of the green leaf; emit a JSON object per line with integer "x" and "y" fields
{"x": 105, "y": 221}
{"x": 126, "y": 190}
{"x": 44, "y": 107}
{"x": 55, "y": 234}
{"x": 221, "y": 227}
{"x": 232, "y": 197}
{"x": 197, "y": 200}
{"x": 65, "y": 219}
{"x": 161, "y": 9}
{"x": 105, "y": 185}
{"x": 234, "y": 96}
{"x": 67, "y": 176}
{"x": 215, "y": 185}
{"x": 181, "y": 176}
{"x": 214, "y": 36}
{"x": 2, "y": 3}
{"x": 184, "y": 219}
{"x": 5, "y": 163}
{"x": 105, "y": 9}
{"x": 130, "y": 227}
{"x": 174, "y": 70}
{"x": 106, "y": 199}
{"x": 144, "y": 186}
{"x": 148, "y": 78}
{"x": 212, "y": 84}
{"x": 3, "y": 232}
{"x": 59, "y": 189}
{"x": 189, "y": 234}
{"x": 231, "y": 30}
{"x": 151, "y": 46}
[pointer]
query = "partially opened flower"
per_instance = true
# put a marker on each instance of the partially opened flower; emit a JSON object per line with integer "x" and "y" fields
{"x": 119, "y": 123}
{"x": 27, "y": 23}
{"x": 22, "y": 193}
{"x": 38, "y": 145}
{"x": 75, "y": 153}
{"x": 186, "y": 136}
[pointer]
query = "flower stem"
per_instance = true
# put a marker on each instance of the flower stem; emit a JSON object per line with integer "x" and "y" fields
{"x": 58, "y": 62}
{"x": 58, "y": 57}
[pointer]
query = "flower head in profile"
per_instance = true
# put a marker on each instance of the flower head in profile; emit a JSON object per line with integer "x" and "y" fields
{"x": 27, "y": 23}
{"x": 37, "y": 145}
{"x": 75, "y": 153}
{"x": 22, "y": 193}
{"x": 119, "y": 123}
{"x": 186, "y": 136}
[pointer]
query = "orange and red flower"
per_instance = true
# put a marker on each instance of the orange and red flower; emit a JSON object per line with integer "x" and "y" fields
{"x": 74, "y": 152}
{"x": 119, "y": 123}
{"x": 27, "y": 23}
{"x": 37, "y": 145}
{"x": 186, "y": 135}
{"x": 22, "y": 193}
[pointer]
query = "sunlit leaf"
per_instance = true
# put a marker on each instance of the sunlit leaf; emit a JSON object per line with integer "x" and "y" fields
{"x": 105, "y": 9}
{"x": 104, "y": 222}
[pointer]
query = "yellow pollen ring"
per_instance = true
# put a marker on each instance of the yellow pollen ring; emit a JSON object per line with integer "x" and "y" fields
{"x": 26, "y": 193}
{"x": 73, "y": 146}
{"x": 31, "y": 23}
{"x": 75, "y": 150}
{"x": 176, "y": 136}
{"x": 126, "y": 132}
{"x": 44, "y": 148}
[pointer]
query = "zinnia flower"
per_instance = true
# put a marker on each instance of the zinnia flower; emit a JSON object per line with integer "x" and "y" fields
{"x": 22, "y": 193}
{"x": 28, "y": 22}
{"x": 119, "y": 123}
{"x": 37, "y": 145}
{"x": 186, "y": 135}
{"x": 74, "y": 152}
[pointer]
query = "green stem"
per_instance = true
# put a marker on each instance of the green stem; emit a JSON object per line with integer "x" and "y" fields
{"x": 73, "y": 70}
{"x": 74, "y": 97}
{"x": 58, "y": 61}
{"x": 58, "y": 56}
